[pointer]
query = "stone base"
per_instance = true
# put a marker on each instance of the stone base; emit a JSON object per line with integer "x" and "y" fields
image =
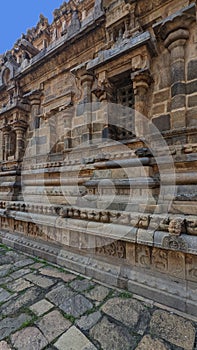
{"x": 179, "y": 293}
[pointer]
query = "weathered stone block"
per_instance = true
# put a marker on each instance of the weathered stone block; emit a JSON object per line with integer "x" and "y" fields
{"x": 192, "y": 70}
{"x": 162, "y": 122}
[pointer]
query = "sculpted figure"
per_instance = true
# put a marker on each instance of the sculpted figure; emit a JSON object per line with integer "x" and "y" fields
{"x": 175, "y": 227}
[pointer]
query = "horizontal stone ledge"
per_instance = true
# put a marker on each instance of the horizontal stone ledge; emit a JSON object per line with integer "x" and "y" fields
{"x": 179, "y": 179}
{"x": 123, "y": 163}
{"x": 143, "y": 182}
{"x": 150, "y": 237}
{"x": 129, "y": 45}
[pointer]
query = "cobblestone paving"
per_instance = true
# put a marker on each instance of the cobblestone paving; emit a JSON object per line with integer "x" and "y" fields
{"x": 43, "y": 306}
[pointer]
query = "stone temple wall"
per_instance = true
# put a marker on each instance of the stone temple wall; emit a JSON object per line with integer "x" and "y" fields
{"x": 98, "y": 144}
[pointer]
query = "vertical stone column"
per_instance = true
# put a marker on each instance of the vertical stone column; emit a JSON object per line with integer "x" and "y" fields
{"x": 174, "y": 32}
{"x": 141, "y": 82}
{"x": 83, "y": 120}
{"x": 34, "y": 99}
{"x": 6, "y": 133}
{"x": 175, "y": 42}
{"x": 20, "y": 130}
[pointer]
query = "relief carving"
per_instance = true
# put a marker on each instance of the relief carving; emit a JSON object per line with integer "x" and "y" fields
{"x": 191, "y": 268}
{"x": 111, "y": 248}
{"x": 175, "y": 243}
{"x": 160, "y": 260}
{"x": 143, "y": 256}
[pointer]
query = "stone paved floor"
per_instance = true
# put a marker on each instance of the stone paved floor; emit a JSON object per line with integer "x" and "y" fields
{"x": 43, "y": 306}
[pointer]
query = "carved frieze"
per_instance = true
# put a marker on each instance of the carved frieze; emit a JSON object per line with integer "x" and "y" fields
{"x": 175, "y": 243}
{"x": 106, "y": 247}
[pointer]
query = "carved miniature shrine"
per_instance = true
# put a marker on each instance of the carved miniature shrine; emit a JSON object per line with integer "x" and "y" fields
{"x": 98, "y": 144}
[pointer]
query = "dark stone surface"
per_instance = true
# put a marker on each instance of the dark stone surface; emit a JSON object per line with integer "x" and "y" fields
{"x": 178, "y": 101}
{"x": 192, "y": 70}
{"x": 162, "y": 122}
{"x": 192, "y": 101}
{"x": 177, "y": 89}
{"x": 191, "y": 87}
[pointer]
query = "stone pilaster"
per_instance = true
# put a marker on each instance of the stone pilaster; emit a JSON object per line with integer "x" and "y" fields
{"x": 141, "y": 82}
{"x": 20, "y": 144}
{"x": 174, "y": 32}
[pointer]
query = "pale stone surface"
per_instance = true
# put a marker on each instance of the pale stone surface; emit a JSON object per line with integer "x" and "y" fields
{"x": 111, "y": 336}
{"x": 87, "y": 322}
{"x": 81, "y": 285}
{"x": 23, "y": 263}
{"x": 19, "y": 273}
{"x": 173, "y": 328}
{"x": 19, "y": 285}
{"x": 99, "y": 293}
{"x": 39, "y": 280}
{"x": 4, "y": 295}
{"x": 76, "y": 306}
{"x": 4, "y": 346}
{"x": 41, "y": 307}
{"x": 73, "y": 339}
{"x": 126, "y": 311}
{"x": 59, "y": 294}
{"x": 147, "y": 343}
{"x": 29, "y": 338}
{"x": 9, "y": 325}
{"x": 52, "y": 325}
{"x": 52, "y": 272}
{"x": 15, "y": 304}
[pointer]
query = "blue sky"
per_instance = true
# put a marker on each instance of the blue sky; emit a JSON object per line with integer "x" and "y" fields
{"x": 17, "y": 16}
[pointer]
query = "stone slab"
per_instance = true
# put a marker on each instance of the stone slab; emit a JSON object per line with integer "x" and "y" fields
{"x": 147, "y": 343}
{"x": 126, "y": 311}
{"x": 10, "y": 324}
{"x": 98, "y": 293}
{"x": 52, "y": 272}
{"x": 19, "y": 285}
{"x": 81, "y": 285}
{"x": 41, "y": 307}
{"x": 4, "y": 345}
{"x": 60, "y": 294}
{"x": 40, "y": 281}
{"x": 76, "y": 306}
{"x": 87, "y": 322}
{"x": 29, "y": 338}
{"x": 112, "y": 337}
{"x": 173, "y": 328}
{"x": 73, "y": 339}
{"x": 52, "y": 325}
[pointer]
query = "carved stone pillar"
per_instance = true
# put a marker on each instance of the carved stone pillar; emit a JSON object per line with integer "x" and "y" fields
{"x": 20, "y": 146}
{"x": 174, "y": 32}
{"x": 141, "y": 82}
{"x": 34, "y": 99}
{"x": 6, "y": 133}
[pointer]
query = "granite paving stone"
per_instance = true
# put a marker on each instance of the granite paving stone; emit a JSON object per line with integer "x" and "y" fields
{"x": 41, "y": 307}
{"x": 127, "y": 311}
{"x": 19, "y": 273}
{"x": 73, "y": 339}
{"x": 52, "y": 272}
{"x": 40, "y": 281}
{"x": 12, "y": 306}
{"x": 23, "y": 263}
{"x": 59, "y": 294}
{"x": 110, "y": 336}
{"x": 88, "y": 321}
{"x": 148, "y": 343}
{"x": 4, "y": 295}
{"x": 81, "y": 285}
{"x": 76, "y": 306}
{"x": 9, "y": 324}
{"x": 4, "y": 345}
{"x": 52, "y": 325}
{"x": 29, "y": 338}
{"x": 98, "y": 293}
{"x": 173, "y": 328}
{"x": 19, "y": 285}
